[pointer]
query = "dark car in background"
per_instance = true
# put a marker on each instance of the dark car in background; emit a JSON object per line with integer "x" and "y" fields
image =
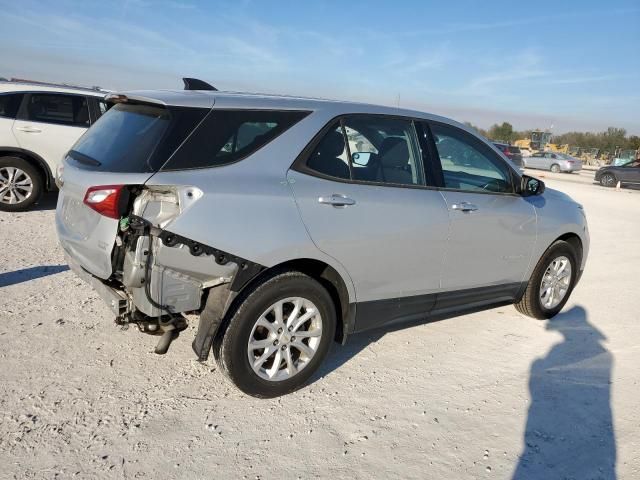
{"x": 628, "y": 173}
{"x": 512, "y": 152}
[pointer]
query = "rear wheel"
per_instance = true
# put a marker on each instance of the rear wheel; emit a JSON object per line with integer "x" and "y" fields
{"x": 278, "y": 336}
{"x": 555, "y": 168}
{"x": 21, "y": 184}
{"x": 608, "y": 180}
{"x": 551, "y": 283}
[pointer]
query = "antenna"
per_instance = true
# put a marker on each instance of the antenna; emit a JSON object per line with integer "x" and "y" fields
{"x": 196, "y": 84}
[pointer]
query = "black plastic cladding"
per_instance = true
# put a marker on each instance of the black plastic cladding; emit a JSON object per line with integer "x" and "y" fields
{"x": 247, "y": 270}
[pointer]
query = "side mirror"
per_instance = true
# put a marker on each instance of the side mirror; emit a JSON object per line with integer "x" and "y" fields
{"x": 530, "y": 186}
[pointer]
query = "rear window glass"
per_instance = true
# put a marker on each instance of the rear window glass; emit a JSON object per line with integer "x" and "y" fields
{"x": 135, "y": 138}
{"x": 514, "y": 149}
{"x": 227, "y": 136}
{"x": 9, "y": 104}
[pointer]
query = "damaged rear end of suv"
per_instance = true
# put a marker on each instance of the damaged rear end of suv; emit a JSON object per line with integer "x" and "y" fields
{"x": 149, "y": 214}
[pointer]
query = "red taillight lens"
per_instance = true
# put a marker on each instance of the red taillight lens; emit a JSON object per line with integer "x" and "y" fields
{"x": 104, "y": 199}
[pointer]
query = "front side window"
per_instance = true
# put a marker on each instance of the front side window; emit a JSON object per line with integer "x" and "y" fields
{"x": 469, "y": 165}
{"x": 370, "y": 148}
{"x": 60, "y": 109}
{"x": 9, "y": 104}
{"x": 227, "y": 136}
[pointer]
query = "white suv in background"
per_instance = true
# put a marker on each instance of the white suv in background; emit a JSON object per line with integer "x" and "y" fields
{"x": 38, "y": 124}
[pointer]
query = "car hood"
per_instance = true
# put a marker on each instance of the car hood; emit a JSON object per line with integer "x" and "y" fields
{"x": 558, "y": 196}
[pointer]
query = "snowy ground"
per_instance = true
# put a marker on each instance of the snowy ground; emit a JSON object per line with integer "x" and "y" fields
{"x": 488, "y": 395}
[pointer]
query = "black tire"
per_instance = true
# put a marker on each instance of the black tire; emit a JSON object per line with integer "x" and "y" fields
{"x": 608, "y": 180}
{"x": 555, "y": 168}
{"x": 36, "y": 181}
{"x": 231, "y": 344}
{"x": 530, "y": 303}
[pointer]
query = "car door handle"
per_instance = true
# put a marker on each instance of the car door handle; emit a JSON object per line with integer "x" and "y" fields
{"x": 29, "y": 129}
{"x": 464, "y": 207}
{"x": 337, "y": 200}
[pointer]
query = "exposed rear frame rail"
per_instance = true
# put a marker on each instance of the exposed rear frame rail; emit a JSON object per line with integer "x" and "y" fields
{"x": 247, "y": 270}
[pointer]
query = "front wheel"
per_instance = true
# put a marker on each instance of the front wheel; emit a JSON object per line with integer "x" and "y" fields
{"x": 278, "y": 335}
{"x": 608, "y": 180}
{"x": 20, "y": 184}
{"x": 551, "y": 282}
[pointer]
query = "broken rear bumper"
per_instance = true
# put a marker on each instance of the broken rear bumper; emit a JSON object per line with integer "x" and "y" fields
{"x": 115, "y": 299}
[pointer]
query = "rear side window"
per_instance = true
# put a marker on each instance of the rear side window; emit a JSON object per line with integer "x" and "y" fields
{"x": 9, "y": 104}
{"x": 382, "y": 150}
{"x": 513, "y": 149}
{"x": 330, "y": 157}
{"x": 227, "y": 136}
{"x": 134, "y": 138}
{"x": 71, "y": 110}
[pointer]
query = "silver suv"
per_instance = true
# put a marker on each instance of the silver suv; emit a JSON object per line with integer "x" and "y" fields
{"x": 288, "y": 223}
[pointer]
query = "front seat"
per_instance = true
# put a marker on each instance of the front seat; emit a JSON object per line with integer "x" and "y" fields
{"x": 394, "y": 161}
{"x": 325, "y": 158}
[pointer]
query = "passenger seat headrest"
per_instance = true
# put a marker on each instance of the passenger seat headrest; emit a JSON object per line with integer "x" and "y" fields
{"x": 332, "y": 145}
{"x": 394, "y": 153}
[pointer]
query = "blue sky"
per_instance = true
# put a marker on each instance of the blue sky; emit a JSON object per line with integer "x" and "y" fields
{"x": 575, "y": 65}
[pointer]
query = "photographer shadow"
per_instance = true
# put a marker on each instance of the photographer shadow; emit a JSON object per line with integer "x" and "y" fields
{"x": 569, "y": 431}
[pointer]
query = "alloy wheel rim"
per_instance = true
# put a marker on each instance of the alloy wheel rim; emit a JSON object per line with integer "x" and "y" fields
{"x": 609, "y": 180}
{"x": 16, "y": 185}
{"x": 285, "y": 338}
{"x": 555, "y": 282}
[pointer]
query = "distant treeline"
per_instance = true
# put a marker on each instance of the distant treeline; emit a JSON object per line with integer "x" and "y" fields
{"x": 608, "y": 140}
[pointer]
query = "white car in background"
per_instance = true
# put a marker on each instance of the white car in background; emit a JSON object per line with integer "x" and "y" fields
{"x": 38, "y": 124}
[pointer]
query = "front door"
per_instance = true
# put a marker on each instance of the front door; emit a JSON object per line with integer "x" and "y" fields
{"x": 630, "y": 173}
{"x": 376, "y": 217}
{"x": 493, "y": 230}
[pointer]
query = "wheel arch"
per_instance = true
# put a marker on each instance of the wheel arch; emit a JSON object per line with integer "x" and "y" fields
{"x": 35, "y": 160}
{"x": 330, "y": 279}
{"x": 575, "y": 241}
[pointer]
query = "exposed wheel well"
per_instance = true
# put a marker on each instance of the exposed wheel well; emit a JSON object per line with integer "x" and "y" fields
{"x": 34, "y": 160}
{"x": 573, "y": 240}
{"x": 331, "y": 280}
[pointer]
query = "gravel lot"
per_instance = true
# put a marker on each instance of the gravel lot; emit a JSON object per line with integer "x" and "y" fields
{"x": 488, "y": 395}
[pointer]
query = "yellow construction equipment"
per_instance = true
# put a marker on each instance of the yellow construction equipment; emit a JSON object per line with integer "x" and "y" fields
{"x": 535, "y": 143}
{"x": 554, "y": 147}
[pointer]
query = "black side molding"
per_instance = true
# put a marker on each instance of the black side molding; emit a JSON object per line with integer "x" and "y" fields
{"x": 210, "y": 320}
{"x": 378, "y": 313}
{"x": 197, "y": 84}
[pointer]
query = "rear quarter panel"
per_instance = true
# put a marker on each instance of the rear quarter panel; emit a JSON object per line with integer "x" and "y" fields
{"x": 248, "y": 208}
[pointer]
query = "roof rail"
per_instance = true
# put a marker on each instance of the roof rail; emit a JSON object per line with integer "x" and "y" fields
{"x": 196, "y": 84}
{"x": 51, "y": 84}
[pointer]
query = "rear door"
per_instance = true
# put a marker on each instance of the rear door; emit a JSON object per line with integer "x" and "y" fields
{"x": 376, "y": 217}
{"x": 48, "y": 124}
{"x": 493, "y": 230}
{"x": 9, "y": 105}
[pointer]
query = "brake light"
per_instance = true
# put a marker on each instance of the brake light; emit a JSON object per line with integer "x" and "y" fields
{"x": 104, "y": 199}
